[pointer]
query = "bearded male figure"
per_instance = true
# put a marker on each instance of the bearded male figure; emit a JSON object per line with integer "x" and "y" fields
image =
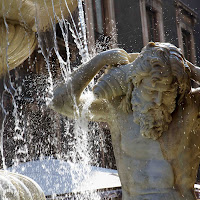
{"x": 153, "y": 117}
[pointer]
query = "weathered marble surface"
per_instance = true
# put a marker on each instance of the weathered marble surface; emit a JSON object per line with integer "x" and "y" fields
{"x": 153, "y": 118}
{"x": 18, "y": 187}
{"x": 35, "y": 14}
{"x": 17, "y": 44}
{"x": 19, "y": 22}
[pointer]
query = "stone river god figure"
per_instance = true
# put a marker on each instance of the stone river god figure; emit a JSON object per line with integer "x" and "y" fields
{"x": 153, "y": 115}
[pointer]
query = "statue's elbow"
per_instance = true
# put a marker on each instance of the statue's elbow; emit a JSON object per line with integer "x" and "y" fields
{"x": 62, "y": 103}
{"x": 65, "y": 108}
{"x": 56, "y": 103}
{"x": 59, "y": 95}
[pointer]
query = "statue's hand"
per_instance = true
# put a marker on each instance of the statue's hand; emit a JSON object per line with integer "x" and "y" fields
{"x": 115, "y": 57}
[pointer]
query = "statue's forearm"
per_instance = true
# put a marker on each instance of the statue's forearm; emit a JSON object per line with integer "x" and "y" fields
{"x": 67, "y": 95}
{"x": 83, "y": 75}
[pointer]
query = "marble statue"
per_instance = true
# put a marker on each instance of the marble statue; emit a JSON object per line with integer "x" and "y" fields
{"x": 153, "y": 115}
{"x": 18, "y": 187}
{"x": 20, "y": 23}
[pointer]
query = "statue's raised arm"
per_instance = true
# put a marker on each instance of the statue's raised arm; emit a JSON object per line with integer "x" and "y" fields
{"x": 67, "y": 95}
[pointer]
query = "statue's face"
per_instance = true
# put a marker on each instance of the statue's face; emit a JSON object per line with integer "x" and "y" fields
{"x": 153, "y": 103}
{"x": 160, "y": 93}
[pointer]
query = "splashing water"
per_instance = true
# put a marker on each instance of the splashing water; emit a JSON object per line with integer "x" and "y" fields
{"x": 23, "y": 132}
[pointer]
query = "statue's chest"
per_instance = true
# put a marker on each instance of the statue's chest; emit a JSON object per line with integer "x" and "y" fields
{"x": 127, "y": 140}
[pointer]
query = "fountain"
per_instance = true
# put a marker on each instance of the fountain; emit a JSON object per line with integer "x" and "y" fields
{"x": 148, "y": 97}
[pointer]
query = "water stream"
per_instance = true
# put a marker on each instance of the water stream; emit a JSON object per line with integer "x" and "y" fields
{"x": 21, "y": 124}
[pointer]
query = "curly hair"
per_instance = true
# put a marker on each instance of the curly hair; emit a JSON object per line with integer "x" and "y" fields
{"x": 158, "y": 60}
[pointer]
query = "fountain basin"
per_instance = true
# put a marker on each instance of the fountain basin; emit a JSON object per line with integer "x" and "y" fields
{"x": 57, "y": 177}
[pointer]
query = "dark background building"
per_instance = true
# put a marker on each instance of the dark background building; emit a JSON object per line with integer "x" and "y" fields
{"x": 140, "y": 21}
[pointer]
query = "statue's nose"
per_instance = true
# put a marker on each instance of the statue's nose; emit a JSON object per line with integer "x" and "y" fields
{"x": 158, "y": 99}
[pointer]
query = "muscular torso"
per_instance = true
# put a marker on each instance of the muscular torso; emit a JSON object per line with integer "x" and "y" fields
{"x": 161, "y": 169}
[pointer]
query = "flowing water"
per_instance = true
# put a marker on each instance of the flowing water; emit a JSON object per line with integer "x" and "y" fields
{"x": 29, "y": 129}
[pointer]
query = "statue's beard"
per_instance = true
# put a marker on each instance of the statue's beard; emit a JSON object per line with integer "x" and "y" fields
{"x": 153, "y": 119}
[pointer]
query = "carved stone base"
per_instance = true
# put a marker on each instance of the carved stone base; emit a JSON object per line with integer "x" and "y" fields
{"x": 18, "y": 187}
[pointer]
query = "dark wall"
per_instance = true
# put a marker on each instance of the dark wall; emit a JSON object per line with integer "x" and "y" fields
{"x": 169, "y": 21}
{"x": 129, "y": 28}
{"x": 128, "y": 22}
{"x": 195, "y": 5}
